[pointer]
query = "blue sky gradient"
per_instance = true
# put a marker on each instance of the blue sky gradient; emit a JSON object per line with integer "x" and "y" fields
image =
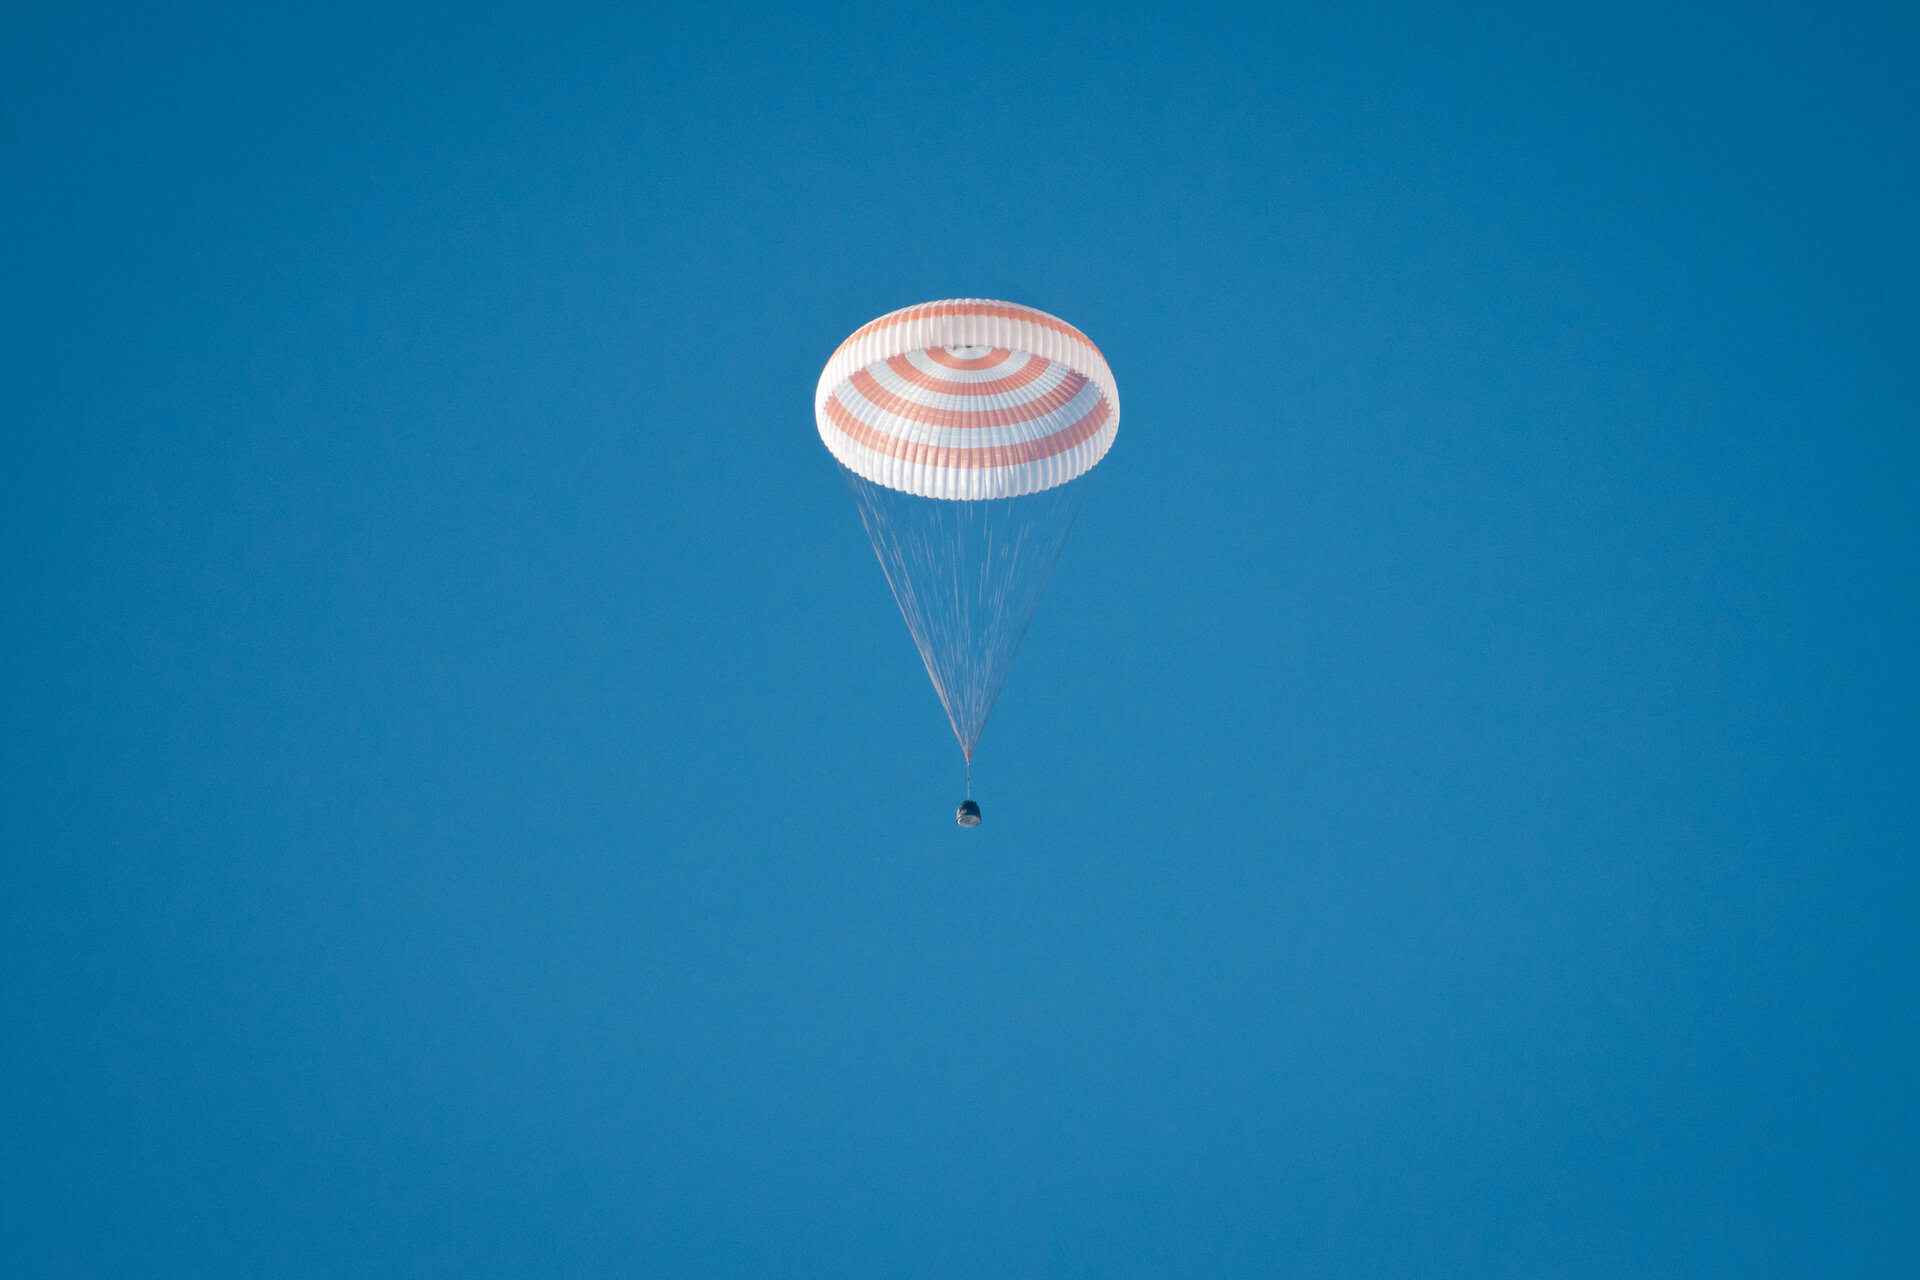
{"x": 472, "y": 807}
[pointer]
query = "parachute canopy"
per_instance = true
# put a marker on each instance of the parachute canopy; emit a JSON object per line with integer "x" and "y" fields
{"x": 967, "y": 400}
{"x": 964, "y": 429}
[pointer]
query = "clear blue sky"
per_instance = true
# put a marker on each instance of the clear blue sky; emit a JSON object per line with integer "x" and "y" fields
{"x": 472, "y": 808}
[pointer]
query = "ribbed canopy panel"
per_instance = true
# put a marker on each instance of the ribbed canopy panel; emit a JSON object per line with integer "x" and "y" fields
{"x": 967, "y": 400}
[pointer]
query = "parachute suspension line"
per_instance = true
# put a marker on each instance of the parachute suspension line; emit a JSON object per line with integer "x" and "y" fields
{"x": 969, "y": 775}
{"x": 968, "y": 576}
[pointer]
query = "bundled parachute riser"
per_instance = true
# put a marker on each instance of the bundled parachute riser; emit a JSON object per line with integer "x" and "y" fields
{"x": 968, "y": 577}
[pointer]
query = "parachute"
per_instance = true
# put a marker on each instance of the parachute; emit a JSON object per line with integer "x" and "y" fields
{"x": 964, "y": 430}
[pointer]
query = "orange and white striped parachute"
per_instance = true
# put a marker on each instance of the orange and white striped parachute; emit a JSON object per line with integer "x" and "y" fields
{"x": 967, "y": 400}
{"x": 962, "y": 428}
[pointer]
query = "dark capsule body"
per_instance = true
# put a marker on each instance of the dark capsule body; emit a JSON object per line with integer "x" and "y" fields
{"x": 969, "y": 814}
